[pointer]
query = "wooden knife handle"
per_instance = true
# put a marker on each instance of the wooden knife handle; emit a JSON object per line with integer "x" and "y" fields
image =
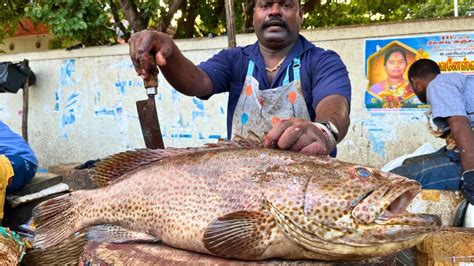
{"x": 152, "y": 81}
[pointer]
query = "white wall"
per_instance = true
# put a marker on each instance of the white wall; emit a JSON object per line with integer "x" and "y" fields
{"x": 26, "y": 43}
{"x": 83, "y": 104}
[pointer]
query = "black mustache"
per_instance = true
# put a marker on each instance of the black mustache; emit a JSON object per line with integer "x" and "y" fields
{"x": 275, "y": 21}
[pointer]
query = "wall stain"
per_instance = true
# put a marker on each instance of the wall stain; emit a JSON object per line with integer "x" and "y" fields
{"x": 67, "y": 71}
{"x": 110, "y": 112}
{"x": 68, "y": 117}
{"x": 122, "y": 85}
{"x": 68, "y": 112}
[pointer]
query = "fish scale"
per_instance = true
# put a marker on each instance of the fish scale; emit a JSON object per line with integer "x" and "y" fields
{"x": 239, "y": 201}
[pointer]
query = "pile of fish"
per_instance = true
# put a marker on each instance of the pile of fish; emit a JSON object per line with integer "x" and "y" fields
{"x": 12, "y": 247}
{"x": 240, "y": 200}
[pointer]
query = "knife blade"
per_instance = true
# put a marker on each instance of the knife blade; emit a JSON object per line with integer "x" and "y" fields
{"x": 148, "y": 116}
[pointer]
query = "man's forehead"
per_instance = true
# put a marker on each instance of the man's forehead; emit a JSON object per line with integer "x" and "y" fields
{"x": 277, "y": 1}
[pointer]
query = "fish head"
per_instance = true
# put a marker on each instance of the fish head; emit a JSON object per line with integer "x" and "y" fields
{"x": 359, "y": 211}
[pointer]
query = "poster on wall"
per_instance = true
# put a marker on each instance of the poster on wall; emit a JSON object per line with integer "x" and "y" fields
{"x": 387, "y": 62}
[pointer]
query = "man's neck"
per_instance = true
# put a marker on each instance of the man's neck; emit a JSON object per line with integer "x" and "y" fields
{"x": 274, "y": 54}
{"x": 274, "y": 57}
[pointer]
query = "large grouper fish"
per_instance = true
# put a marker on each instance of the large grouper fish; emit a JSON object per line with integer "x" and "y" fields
{"x": 236, "y": 200}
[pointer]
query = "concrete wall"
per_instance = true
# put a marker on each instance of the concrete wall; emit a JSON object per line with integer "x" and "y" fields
{"x": 28, "y": 43}
{"x": 83, "y": 105}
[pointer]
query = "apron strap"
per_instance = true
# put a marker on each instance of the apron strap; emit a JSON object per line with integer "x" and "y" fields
{"x": 250, "y": 68}
{"x": 286, "y": 81}
{"x": 296, "y": 71}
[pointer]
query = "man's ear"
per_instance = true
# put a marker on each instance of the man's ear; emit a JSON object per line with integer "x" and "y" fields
{"x": 301, "y": 12}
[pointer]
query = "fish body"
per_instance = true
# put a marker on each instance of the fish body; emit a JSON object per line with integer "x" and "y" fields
{"x": 245, "y": 203}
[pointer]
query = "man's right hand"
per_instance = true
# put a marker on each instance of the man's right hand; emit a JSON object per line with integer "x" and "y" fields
{"x": 300, "y": 135}
{"x": 148, "y": 49}
{"x": 151, "y": 49}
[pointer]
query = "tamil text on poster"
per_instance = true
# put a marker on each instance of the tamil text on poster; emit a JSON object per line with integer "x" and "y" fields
{"x": 387, "y": 62}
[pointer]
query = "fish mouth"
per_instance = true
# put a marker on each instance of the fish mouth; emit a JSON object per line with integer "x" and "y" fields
{"x": 401, "y": 202}
{"x": 396, "y": 214}
{"x": 382, "y": 215}
{"x": 387, "y": 206}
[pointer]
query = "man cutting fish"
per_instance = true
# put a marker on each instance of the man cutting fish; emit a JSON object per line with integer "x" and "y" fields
{"x": 237, "y": 199}
{"x": 278, "y": 85}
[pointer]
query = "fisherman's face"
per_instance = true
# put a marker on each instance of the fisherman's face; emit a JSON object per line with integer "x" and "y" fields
{"x": 277, "y": 22}
{"x": 396, "y": 65}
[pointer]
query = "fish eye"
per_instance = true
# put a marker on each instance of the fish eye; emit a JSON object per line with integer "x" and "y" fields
{"x": 363, "y": 172}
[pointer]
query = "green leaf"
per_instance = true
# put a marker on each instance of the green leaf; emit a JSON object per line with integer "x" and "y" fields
{"x": 91, "y": 22}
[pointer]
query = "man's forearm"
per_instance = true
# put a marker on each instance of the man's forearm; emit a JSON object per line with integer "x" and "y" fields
{"x": 335, "y": 108}
{"x": 184, "y": 76}
{"x": 464, "y": 137}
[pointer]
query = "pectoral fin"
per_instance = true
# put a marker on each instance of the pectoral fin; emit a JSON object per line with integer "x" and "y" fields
{"x": 241, "y": 235}
{"x": 117, "y": 234}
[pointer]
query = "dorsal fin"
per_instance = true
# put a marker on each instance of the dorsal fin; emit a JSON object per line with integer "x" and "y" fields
{"x": 117, "y": 165}
{"x": 251, "y": 141}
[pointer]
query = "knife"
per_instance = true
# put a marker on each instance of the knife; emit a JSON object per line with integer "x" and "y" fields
{"x": 148, "y": 116}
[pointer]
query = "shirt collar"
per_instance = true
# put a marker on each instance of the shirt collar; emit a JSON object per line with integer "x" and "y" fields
{"x": 301, "y": 46}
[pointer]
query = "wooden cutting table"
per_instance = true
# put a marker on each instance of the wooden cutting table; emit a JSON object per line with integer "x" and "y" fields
{"x": 160, "y": 254}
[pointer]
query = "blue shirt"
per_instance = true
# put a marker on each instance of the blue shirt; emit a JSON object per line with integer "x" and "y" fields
{"x": 451, "y": 94}
{"x": 13, "y": 144}
{"x": 322, "y": 74}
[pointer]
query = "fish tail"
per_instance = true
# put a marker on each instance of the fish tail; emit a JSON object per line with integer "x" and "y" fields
{"x": 55, "y": 220}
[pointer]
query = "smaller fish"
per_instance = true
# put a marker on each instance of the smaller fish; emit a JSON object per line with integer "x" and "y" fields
{"x": 12, "y": 247}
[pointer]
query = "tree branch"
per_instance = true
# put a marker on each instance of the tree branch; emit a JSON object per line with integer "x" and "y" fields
{"x": 311, "y": 5}
{"x": 166, "y": 19}
{"x": 137, "y": 21}
{"x": 185, "y": 27}
{"x": 248, "y": 16}
{"x": 118, "y": 22}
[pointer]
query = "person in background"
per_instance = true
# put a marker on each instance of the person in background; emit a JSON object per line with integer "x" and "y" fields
{"x": 282, "y": 85}
{"x": 395, "y": 91}
{"x": 451, "y": 96}
{"x": 18, "y": 163}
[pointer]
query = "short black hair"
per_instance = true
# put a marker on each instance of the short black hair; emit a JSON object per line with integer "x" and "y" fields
{"x": 254, "y": 2}
{"x": 390, "y": 52}
{"x": 423, "y": 68}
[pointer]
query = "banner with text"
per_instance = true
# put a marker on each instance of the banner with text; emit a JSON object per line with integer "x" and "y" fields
{"x": 387, "y": 62}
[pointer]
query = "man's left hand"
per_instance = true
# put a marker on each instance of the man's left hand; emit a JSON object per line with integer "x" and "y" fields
{"x": 298, "y": 135}
{"x": 467, "y": 186}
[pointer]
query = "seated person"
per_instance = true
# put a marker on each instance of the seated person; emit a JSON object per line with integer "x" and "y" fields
{"x": 18, "y": 163}
{"x": 451, "y": 97}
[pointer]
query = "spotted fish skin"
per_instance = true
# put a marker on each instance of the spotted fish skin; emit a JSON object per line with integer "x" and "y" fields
{"x": 246, "y": 203}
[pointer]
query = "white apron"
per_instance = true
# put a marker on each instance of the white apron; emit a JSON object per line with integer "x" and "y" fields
{"x": 257, "y": 110}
